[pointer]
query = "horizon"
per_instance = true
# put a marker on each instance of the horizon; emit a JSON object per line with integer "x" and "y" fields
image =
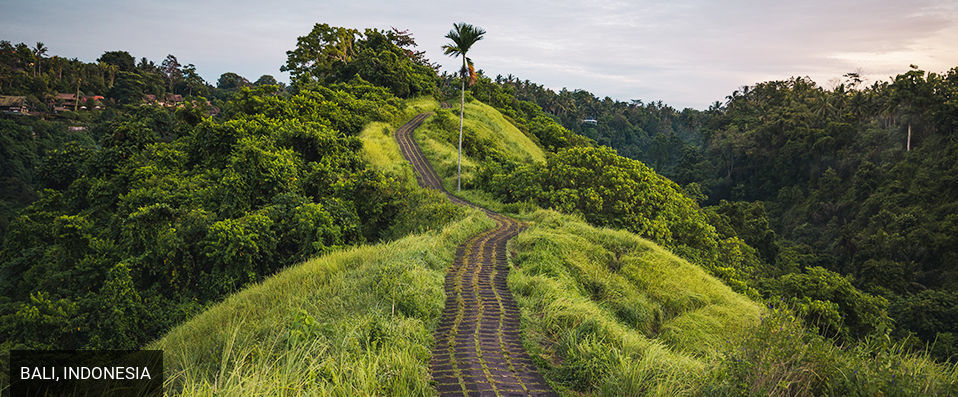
{"x": 682, "y": 54}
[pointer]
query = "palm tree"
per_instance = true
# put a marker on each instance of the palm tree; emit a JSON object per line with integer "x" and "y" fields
{"x": 463, "y": 36}
{"x": 39, "y": 51}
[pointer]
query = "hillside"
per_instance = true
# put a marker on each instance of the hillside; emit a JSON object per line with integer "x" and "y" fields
{"x": 488, "y": 135}
{"x": 607, "y": 310}
{"x": 601, "y": 298}
{"x": 856, "y": 177}
{"x": 344, "y": 317}
{"x": 355, "y": 322}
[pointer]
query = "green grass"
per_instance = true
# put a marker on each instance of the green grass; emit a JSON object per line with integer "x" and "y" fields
{"x": 486, "y": 122}
{"x": 438, "y": 139}
{"x": 606, "y": 311}
{"x": 354, "y": 322}
{"x": 782, "y": 356}
{"x": 379, "y": 142}
{"x": 603, "y": 312}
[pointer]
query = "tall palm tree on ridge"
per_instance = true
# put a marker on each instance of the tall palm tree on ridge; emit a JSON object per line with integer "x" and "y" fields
{"x": 463, "y": 36}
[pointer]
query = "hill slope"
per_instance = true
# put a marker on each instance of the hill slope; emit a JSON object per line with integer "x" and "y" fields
{"x": 602, "y": 306}
{"x": 355, "y": 322}
{"x": 607, "y": 310}
{"x": 599, "y": 307}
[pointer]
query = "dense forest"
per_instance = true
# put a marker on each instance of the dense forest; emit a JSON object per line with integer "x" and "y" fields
{"x": 855, "y": 185}
{"x": 165, "y": 193}
{"x": 118, "y": 230}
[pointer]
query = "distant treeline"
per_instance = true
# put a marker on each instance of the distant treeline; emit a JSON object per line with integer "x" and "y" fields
{"x": 856, "y": 183}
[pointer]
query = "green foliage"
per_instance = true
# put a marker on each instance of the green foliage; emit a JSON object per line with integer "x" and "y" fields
{"x": 35, "y": 154}
{"x": 605, "y": 311}
{"x": 330, "y": 54}
{"x": 122, "y": 60}
{"x": 932, "y": 315}
{"x": 748, "y": 221}
{"x": 128, "y": 88}
{"x": 231, "y": 81}
{"x": 610, "y": 190}
{"x": 354, "y": 322}
{"x": 782, "y": 357}
{"x": 805, "y": 175}
{"x": 168, "y": 213}
{"x": 829, "y": 302}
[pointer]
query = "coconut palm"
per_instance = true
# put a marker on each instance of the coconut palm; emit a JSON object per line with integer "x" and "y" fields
{"x": 39, "y": 52}
{"x": 463, "y": 36}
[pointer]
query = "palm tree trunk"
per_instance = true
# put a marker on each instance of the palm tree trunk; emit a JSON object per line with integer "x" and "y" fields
{"x": 462, "y": 106}
{"x": 908, "y": 143}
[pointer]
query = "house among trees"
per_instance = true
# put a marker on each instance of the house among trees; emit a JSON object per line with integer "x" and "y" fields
{"x": 171, "y": 100}
{"x": 591, "y": 121}
{"x": 67, "y": 102}
{"x": 64, "y": 102}
{"x": 13, "y": 104}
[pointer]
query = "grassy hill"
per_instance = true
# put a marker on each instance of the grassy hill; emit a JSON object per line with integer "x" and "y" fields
{"x": 379, "y": 143}
{"x": 354, "y": 322}
{"x": 361, "y": 320}
{"x": 606, "y": 310}
{"x": 486, "y": 132}
{"x": 601, "y": 308}
{"x": 602, "y": 311}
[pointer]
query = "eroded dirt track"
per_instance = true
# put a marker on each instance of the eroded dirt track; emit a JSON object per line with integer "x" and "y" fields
{"x": 478, "y": 348}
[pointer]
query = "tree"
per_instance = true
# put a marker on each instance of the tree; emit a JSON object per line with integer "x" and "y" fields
{"x": 128, "y": 88}
{"x": 147, "y": 66}
{"x": 171, "y": 69}
{"x": 194, "y": 83}
{"x": 463, "y": 36}
{"x": 121, "y": 59}
{"x": 403, "y": 39}
{"x": 230, "y": 80}
{"x": 318, "y": 54}
{"x": 40, "y": 50}
{"x": 266, "y": 80}
{"x": 911, "y": 93}
{"x": 330, "y": 54}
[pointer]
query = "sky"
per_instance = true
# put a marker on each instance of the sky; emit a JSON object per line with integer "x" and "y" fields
{"x": 684, "y": 53}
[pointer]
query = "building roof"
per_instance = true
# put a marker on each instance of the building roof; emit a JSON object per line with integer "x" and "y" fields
{"x": 66, "y": 96}
{"x": 7, "y": 100}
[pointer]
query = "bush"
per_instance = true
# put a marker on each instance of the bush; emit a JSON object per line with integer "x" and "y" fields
{"x": 783, "y": 357}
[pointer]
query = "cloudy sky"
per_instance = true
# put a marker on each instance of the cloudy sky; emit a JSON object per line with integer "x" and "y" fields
{"x": 685, "y": 53}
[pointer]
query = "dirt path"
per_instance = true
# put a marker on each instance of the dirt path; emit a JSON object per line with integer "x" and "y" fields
{"x": 478, "y": 348}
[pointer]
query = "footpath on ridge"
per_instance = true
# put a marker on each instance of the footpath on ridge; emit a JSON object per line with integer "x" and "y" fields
{"x": 478, "y": 348}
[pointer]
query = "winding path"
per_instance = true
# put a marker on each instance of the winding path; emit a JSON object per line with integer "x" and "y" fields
{"x": 478, "y": 348}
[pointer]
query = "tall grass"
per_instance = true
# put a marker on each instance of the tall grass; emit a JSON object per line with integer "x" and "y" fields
{"x": 438, "y": 138}
{"x": 379, "y": 143}
{"x": 781, "y": 356}
{"x": 606, "y": 312}
{"x": 354, "y": 322}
